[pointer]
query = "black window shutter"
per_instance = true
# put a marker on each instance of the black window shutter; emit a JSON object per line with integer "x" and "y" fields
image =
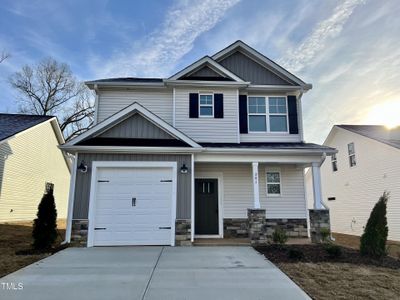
{"x": 243, "y": 114}
{"x": 193, "y": 105}
{"x": 218, "y": 106}
{"x": 292, "y": 109}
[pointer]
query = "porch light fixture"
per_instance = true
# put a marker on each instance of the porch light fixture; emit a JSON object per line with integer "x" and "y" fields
{"x": 184, "y": 169}
{"x": 82, "y": 167}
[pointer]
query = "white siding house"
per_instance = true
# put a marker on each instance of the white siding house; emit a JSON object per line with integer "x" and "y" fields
{"x": 30, "y": 158}
{"x": 352, "y": 190}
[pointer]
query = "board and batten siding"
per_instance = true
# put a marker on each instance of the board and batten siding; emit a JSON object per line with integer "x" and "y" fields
{"x": 136, "y": 126}
{"x": 208, "y": 129}
{"x": 358, "y": 188}
{"x": 158, "y": 101}
{"x": 238, "y": 190}
{"x": 27, "y": 161}
{"x": 249, "y": 70}
{"x": 83, "y": 180}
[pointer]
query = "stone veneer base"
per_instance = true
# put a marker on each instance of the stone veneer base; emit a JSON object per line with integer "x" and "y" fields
{"x": 79, "y": 233}
{"x": 319, "y": 218}
{"x": 183, "y": 232}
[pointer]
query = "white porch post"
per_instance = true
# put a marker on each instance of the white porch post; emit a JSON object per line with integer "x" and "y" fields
{"x": 316, "y": 177}
{"x": 256, "y": 190}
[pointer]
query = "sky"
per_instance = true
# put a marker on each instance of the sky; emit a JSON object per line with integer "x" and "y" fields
{"x": 349, "y": 50}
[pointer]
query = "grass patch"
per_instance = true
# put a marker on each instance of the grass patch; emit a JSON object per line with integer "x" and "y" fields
{"x": 17, "y": 238}
{"x": 349, "y": 276}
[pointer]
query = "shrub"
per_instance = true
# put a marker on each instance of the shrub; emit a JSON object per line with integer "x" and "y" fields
{"x": 373, "y": 240}
{"x": 325, "y": 232}
{"x": 334, "y": 251}
{"x": 295, "y": 254}
{"x": 279, "y": 236}
{"x": 45, "y": 225}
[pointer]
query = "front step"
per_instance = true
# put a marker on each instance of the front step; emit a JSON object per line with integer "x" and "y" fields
{"x": 221, "y": 242}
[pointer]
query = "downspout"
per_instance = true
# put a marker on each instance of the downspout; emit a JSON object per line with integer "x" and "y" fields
{"x": 71, "y": 200}
{"x": 96, "y": 104}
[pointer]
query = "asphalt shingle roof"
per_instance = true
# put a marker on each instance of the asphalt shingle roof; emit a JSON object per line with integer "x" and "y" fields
{"x": 128, "y": 79}
{"x": 379, "y": 133}
{"x": 303, "y": 146}
{"x": 11, "y": 124}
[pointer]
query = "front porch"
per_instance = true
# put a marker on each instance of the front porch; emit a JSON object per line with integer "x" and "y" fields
{"x": 226, "y": 191}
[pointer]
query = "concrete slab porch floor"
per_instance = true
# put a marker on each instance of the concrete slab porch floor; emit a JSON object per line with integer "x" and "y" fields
{"x": 152, "y": 273}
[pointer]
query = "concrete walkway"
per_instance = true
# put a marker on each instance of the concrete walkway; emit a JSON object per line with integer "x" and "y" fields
{"x": 152, "y": 273}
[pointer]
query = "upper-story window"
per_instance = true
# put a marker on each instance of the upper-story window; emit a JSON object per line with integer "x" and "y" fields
{"x": 206, "y": 105}
{"x": 352, "y": 154}
{"x": 268, "y": 114}
{"x": 334, "y": 162}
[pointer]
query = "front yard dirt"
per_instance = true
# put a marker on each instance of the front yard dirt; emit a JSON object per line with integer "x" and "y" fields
{"x": 350, "y": 276}
{"x": 16, "y": 237}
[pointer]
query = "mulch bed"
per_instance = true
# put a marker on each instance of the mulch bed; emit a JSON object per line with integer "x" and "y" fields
{"x": 316, "y": 253}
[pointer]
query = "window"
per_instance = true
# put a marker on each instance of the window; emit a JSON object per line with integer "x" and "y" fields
{"x": 352, "y": 154}
{"x": 257, "y": 114}
{"x": 277, "y": 114}
{"x": 273, "y": 183}
{"x": 206, "y": 107}
{"x": 334, "y": 162}
{"x": 273, "y": 112}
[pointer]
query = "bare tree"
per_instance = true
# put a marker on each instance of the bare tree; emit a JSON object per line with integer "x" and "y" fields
{"x": 49, "y": 88}
{"x": 4, "y": 55}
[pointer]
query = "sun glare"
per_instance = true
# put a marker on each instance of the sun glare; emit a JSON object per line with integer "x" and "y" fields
{"x": 387, "y": 113}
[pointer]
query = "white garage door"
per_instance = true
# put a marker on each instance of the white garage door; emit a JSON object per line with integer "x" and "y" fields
{"x": 133, "y": 206}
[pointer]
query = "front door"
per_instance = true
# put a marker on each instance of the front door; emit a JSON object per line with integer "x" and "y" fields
{"x": 206, "y": 206}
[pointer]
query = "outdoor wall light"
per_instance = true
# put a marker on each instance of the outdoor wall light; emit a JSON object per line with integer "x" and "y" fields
{"x": 184, "y": 169}
{"x": 82, "y": 167}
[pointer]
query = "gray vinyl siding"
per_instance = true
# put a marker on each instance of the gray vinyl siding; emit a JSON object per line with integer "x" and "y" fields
{"x": 249, "y": 70}
{"x": 136, "y": 126}
{"x": 205, "y": 72}
{"x": 158, "y": 101}
{"x": 82, "y": 186}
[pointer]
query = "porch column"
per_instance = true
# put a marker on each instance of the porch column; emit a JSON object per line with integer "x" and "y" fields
{"x": 256, "y": 190}
{"x": 316, "y": 177}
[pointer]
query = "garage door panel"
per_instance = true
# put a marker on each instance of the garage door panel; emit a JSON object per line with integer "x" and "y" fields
{"x": 125, "y": 222}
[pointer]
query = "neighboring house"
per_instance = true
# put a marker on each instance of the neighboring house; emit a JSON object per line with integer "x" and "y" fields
{"x": 366, "y": 165}
{"x": 30, "y": 162}
{"x": 185, "y": 157}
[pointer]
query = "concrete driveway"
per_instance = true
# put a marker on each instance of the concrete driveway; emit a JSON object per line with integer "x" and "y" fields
{"x": 152, "y": 273}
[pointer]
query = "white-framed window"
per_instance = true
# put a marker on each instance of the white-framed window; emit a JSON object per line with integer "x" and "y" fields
{"x": 273, "y": 178}
{"x": 334, "y": 162}
{"x": 352, "y": 154}
{"x": 267, "y": 114}
{"x": 206, "y": 105}
{"x": 257, "y": 114}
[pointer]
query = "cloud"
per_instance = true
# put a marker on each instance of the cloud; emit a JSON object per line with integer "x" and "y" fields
{"x": 297, "y": 58}
{"x": 158, "y": 54}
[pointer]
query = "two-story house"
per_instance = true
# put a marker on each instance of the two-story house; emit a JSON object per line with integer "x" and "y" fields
{"x": 366, "y": 165}
{"x": 185, "y": 157}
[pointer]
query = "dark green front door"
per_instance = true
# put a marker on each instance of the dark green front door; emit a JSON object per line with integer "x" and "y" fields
{"x": 206, "y": 206}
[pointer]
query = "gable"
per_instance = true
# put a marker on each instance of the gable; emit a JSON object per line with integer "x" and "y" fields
{"x": 205, "y": 73}
{"x": 136, "y": 126}
{"x": 249, "y": 70}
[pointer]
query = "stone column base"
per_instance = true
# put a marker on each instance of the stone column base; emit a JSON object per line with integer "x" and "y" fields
{"x": 257, "y": 227}
{"x": 79, "y": 233}
{"x": 319, "y": 218}
{"x": 183, "y": 232}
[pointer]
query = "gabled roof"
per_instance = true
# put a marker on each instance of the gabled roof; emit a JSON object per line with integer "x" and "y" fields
{"x": 261, "y": 59}
{"x": 11, "y": 124}
{"x": 379, "y": 133}
{"x": 206, "y": 61}
{"x": 120, "y": 116}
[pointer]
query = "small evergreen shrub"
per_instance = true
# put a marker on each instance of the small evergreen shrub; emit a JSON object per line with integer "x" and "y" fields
{"x": 295, "y": 254}
{"x": 325, "y": 232}
{"x": 333, "y": 251}
{"x": 373, "y": 240}
{"x": 45, "y": 225}
{"x": 279, "y": 236}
